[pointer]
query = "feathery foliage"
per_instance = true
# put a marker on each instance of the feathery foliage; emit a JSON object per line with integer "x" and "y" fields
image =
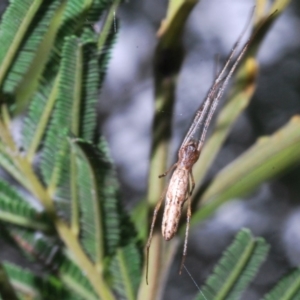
{"x": 125, "y": 270}
{"x": 29, "y": 48}
{"x": 16, "y": 210}
{"x": 80, "y": 184}
{"x": 31, "y": 286}
{"x": 15, "y": 22}
{"x": 288, "y": 288}
{"x": 98, "y": 206}
{"x": 236, "y": 269}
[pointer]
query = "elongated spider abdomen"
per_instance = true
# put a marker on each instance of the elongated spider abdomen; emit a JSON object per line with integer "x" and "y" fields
{"x": 175, "y": 197}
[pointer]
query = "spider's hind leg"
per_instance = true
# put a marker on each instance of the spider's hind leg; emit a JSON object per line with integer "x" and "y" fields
{"x": 188, "y": 219}
{"x": 155, "y": 212}
{"x": 193, "y": 183}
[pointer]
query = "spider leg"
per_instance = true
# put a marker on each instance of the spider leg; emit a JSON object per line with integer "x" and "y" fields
{"x": 188, "y": 218}
{"x": 193, "y": 182}
{"x": 190, "y": 191}
{"x": 156, "y": 209}
{"x": 168, "y": 171}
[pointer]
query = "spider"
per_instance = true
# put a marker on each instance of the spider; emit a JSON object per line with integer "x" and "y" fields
{"x": 182, "y": 184}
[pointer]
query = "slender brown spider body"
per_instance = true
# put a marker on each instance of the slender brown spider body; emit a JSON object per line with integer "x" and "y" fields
{"x": 179, "y": 189}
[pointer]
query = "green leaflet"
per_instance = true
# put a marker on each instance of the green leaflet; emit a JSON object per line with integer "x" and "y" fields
{"x": 236, "y": 269}
{"x": 39, "y": 113}
{"x": 76, "y": 97}
{"x": 73, "y": 21}
{"x": 288, "y": 288}
{"x": 77, "y": 90}
{"x": 96, "y": 184}
{"x": 67, "y": 108}
{"x": 28, "y": 49}
{"x": 15, "y": 23}
{"x": 95, "y": 68}
{"x": 16, "y": 210}
{"x": 27, "y": 284}
{"x": 126, "y": 271}
{"x": 87, "y": 209}
{"x": 31, "y": 81}
{"x": 74, "y": 279}
{"x": 90, "y": 89}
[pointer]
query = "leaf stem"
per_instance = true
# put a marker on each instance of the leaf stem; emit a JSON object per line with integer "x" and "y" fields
{"x": 23, "y": 221}
{"x": 95, "y": 277}
{"x": 110, "y": 18}
{"x": 236, "y": 272}
{"x": 24, "y": 166}
{"x": 44, "y": 119}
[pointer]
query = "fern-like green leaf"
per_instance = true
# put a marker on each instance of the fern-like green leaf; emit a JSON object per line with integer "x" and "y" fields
{"x": 38, "y": 117}
{"x": 126, "y": 272}
{"x": 15, "y": 23}
{"x": 31, "y": 80}
{"x": 90, "y": 88}
{"x": 97, "y": 198}
{"x": 15, "y": 209}
{"x": 108, "y": 189}
{"x": 31, "y": 286}
{"x": 288, "y": 288}
{"x": 73, "y": 23}
{"x": 85, "y": 193}
{"x": 66, "y": 114}
{"x": 75, "y": 280}
{"x": 236, "y": 268}
{"x": 95, "y": 67}
{"x": 28, "y": 49}
{"x": 76, "y": 98}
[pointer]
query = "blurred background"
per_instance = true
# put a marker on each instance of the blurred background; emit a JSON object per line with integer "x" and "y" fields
{"x": 126, "y": 107}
